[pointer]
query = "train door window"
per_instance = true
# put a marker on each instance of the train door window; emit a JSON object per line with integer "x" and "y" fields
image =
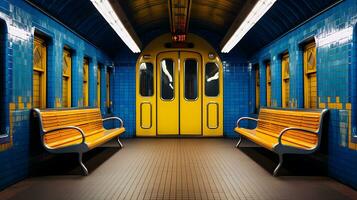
{"x": 85, "y": 81}
{"x": 66, "y": 78}
{"x": 285, "y": 80}
{"x": 108, "y": 85}
{"x": 146, "y": 79}
{"x": 268, "y": 77}
{"x": 257, "y": 88}
{"x": 167, "y": 79}
{"x": 191, "y": 79}
{"x": 310, "y": 79}
{"x": 98, "y": 85}
{"x": 39, "y": 73}
{"x": 211, "y": 80}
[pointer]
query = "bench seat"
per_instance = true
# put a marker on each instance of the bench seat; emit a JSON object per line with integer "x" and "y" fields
{"x": 285, "y": 131}
{"x": 75, "y": 130}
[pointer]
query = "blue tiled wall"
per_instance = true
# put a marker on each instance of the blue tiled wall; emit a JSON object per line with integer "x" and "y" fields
{"x": 336, "y": 75}
{"x": 22, "y": 20}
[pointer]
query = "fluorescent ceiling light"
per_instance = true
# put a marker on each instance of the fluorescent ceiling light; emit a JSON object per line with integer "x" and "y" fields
{"x": 107, "y": 11}
{"x": 259, "y": 9}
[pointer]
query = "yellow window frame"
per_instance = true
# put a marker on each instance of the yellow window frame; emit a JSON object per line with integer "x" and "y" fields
{"x": 67, "y": 74}
{"x": 40, "y": 67}
{"x": 268, "y": 86}
{"x": 310, "y": 78}
{"x": 285, "y": 79}
{"x": 85, "y": 82}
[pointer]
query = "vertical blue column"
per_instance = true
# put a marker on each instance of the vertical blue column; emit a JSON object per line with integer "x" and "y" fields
{"x": 299, "y": 70}
{"x": 103, "y": 91}
{"x": 263, "y": 83}
{"x": 92, "y": 85}
{"x": 77, "y": 79}
{"x": 276, "y": 81}
{"x": 54, "y": 74}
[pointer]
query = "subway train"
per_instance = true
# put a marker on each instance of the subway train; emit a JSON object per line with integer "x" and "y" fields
{"x": 178, "y": 99}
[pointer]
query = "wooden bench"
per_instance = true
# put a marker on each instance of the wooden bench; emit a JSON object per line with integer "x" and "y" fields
{"x": 75, "y": 131}
{"x": 285, "y": 131}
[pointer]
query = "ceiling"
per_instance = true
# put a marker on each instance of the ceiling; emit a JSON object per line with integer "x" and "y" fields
{"x": 209, "y": 18}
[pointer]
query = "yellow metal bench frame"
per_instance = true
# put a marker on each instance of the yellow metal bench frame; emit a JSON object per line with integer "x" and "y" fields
{"x": 79, "y": 148}
{"x": 281, "y": 148}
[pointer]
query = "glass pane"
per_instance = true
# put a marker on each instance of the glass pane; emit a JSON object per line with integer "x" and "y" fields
{"x": 146, "y": 80}
{"x": 191, "y": 90}
{"x": 212, "y": 80}
{"x": 167, "y": 79}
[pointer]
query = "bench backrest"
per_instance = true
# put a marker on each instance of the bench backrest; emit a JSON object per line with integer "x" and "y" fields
{"x": 273, "y": 121}
{"x": 89, "y": 120}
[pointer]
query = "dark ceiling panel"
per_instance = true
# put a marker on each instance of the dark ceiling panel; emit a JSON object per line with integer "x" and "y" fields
{"x": 209, "y": 18}
{"x": 282, "y": 17}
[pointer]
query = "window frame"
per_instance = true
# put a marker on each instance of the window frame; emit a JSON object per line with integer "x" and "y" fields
{"x": 268, "y": 66}
{"x": 173, "y": 79}
{"x": 85, "y": 88}
{"x": 285, "y": 63}
{"x": 153, "y": 82}
{"x": 69, "y": 51}
{"x": 184, "y": 79}
{"x": 218, "y": 80}
{"x": 43, "y": 70}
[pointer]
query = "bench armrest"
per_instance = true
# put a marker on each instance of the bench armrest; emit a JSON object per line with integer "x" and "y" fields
{"x": 115, "y": 118}
{"x": 62, "y": 128}
{"x": 281, "y": 134}
{"x": 245, "y": 118}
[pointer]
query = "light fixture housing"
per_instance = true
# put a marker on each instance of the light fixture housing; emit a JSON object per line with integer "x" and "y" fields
{"x": 107, "y": 11}
{"x": 259, "y": 9}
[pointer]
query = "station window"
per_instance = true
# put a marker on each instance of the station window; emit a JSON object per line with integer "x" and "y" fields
{"x": 257, "y": 87}
{"x": 146, "y": 77}
{"x": 212, "y": 80}
{"x": 66, "y": 78}
{"x": 268, "y": 75}
{"x": 85, "y": 81}
{"x": 108, "y": 85}
{"x": 191, "y": 76}
{"x": 39, "y": 73}
{"x": 310, "y": 79}
{"x": 285, "y": 80}
{"x": 98, "y": 85}
{"x": 167, "y": 79}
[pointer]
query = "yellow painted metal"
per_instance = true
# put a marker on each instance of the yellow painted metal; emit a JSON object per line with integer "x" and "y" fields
{"x": 285, "y": 79}
{"x": 190, "y": 110}
{"x": 268, "y": 75}
{"x": 85, "y": 81}
{"x": 98, "y": 86}
{"x": 167, "y": 110}
{"x": 39, "y": 73}
{"x": 257, "y": 88}
{"x": 145, "y": 105}
{"x": 66, "y": 78}
{"x": 198, "y": 117}
{"x": 310, "y": 80}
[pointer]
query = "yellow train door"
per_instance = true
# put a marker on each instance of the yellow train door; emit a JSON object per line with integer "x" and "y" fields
{"x": 190, "y": 93}
{"x": 212, "y": 107}
{"x": 146, "y": 98}
{"x": 167, "y": 94}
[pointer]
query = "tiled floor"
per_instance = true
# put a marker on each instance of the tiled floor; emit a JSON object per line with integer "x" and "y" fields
{"x": 174, "y": 169}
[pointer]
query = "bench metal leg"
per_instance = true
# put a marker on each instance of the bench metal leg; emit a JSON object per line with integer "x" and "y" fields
{"x": 120, "y": 144}
{"x": 279, "y": 165}
{"x": 239, "y": 141}
{"x": 84, "y": 168}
